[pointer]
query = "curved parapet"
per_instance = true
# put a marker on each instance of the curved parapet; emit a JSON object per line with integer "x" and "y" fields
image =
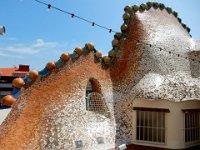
{"x": 156, "y": 44}
{"x": 51, "y": 113}
{"x": 157, "y": 60}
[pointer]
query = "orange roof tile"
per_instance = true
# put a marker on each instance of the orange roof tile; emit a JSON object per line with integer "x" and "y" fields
{"x": 10, "y": 71}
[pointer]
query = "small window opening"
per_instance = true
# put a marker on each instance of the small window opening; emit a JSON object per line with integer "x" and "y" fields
{"x": 95, "y": 100}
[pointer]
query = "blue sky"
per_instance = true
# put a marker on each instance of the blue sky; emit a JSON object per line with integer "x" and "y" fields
{"x": 36, "y": 35}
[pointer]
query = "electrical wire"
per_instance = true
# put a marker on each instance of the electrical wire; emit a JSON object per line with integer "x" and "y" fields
{"x": 111, "y": 30}
{"x": 76, "y": 16}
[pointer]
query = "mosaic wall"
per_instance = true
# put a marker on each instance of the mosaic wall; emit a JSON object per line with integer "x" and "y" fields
{"x": 156, "y": 63}
{"x": 51, "y": 114}
{"x": 151, "y": 59}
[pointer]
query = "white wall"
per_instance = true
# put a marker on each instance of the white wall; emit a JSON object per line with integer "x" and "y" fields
{"x": 3, "y": 114}
{"x": 174, "y": 121}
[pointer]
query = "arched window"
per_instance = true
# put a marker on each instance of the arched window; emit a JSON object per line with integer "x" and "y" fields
{"x": 94, "y": 97}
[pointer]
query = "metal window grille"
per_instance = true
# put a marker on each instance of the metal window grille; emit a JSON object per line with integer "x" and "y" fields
{"x": 95, "y": 102}
{"x": 192, "y": 127}
{"x": 150, "y": 126}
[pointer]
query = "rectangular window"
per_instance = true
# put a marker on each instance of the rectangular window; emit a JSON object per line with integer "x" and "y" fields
{"x": 5, "y": 85}
{"x": 150, "y": 125}
{"x": 192, "y": 126}
{"x": 5, "y": 92}
{"x": 19, "y": 75}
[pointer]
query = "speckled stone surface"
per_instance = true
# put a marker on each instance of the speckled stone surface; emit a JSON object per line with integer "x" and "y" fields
{"x": 155, "y": 61}
{"x": 150, "y": 72}
{"x": 51, "y": 114}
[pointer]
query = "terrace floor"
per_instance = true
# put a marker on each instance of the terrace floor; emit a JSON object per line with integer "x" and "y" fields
{"x": 139, "y": 147}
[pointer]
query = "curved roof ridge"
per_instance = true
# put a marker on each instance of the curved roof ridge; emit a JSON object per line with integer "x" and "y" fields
{"x": 105, "y": 60}
{"x": 64, "y": 58}
{"x": 148, "y": 5}
{"x": 32, "y": 76}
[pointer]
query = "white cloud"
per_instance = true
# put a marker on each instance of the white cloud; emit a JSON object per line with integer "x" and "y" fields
{"x": 8, "y": 39}
{"x": 20, "y": 50}
{"x": 39, "y": 45}
{"x": 3, "y": 54}
{"x": 8, "y": 55}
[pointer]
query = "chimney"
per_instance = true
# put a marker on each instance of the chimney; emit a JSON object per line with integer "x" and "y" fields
{"x": 23, "y": 68}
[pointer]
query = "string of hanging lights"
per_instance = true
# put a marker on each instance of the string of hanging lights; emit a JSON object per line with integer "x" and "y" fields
{"x": 49, "y": 6}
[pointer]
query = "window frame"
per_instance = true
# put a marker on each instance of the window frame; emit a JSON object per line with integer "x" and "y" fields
{"x": 150, "y": 127}
{"x": 190, "y": 114}
{"x": 98, "y": 104}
